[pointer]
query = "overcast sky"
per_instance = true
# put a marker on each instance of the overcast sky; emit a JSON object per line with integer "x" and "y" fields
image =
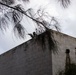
{"x": 66, "y": 18}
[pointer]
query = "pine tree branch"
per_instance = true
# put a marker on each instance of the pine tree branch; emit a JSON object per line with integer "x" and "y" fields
{"x": 24, "y": 12}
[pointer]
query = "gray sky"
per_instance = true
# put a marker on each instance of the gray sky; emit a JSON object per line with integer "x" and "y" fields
{"x": 66, "y": 18}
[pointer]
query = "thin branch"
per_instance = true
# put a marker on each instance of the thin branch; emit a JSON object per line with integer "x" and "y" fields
{"x": 42, "y": 23}
{"x": 23, "y": 12}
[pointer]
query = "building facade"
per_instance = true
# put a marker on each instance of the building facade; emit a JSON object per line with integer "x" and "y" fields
{"x": 59, "y": 60}
{"x": 30, "y": 59}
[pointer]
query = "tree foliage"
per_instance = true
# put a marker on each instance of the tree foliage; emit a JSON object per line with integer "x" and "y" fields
{"x": 65, "y": 3}
{"x": 43, "y": 21}
{"x": 16, "y": 14}
{"x": 70, "y": 71}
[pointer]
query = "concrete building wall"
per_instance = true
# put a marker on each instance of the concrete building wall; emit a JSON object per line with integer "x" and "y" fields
{"x": 26, "y": 59}
{"x": 59, "y": 59}
{"x": 30, "y": 59}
